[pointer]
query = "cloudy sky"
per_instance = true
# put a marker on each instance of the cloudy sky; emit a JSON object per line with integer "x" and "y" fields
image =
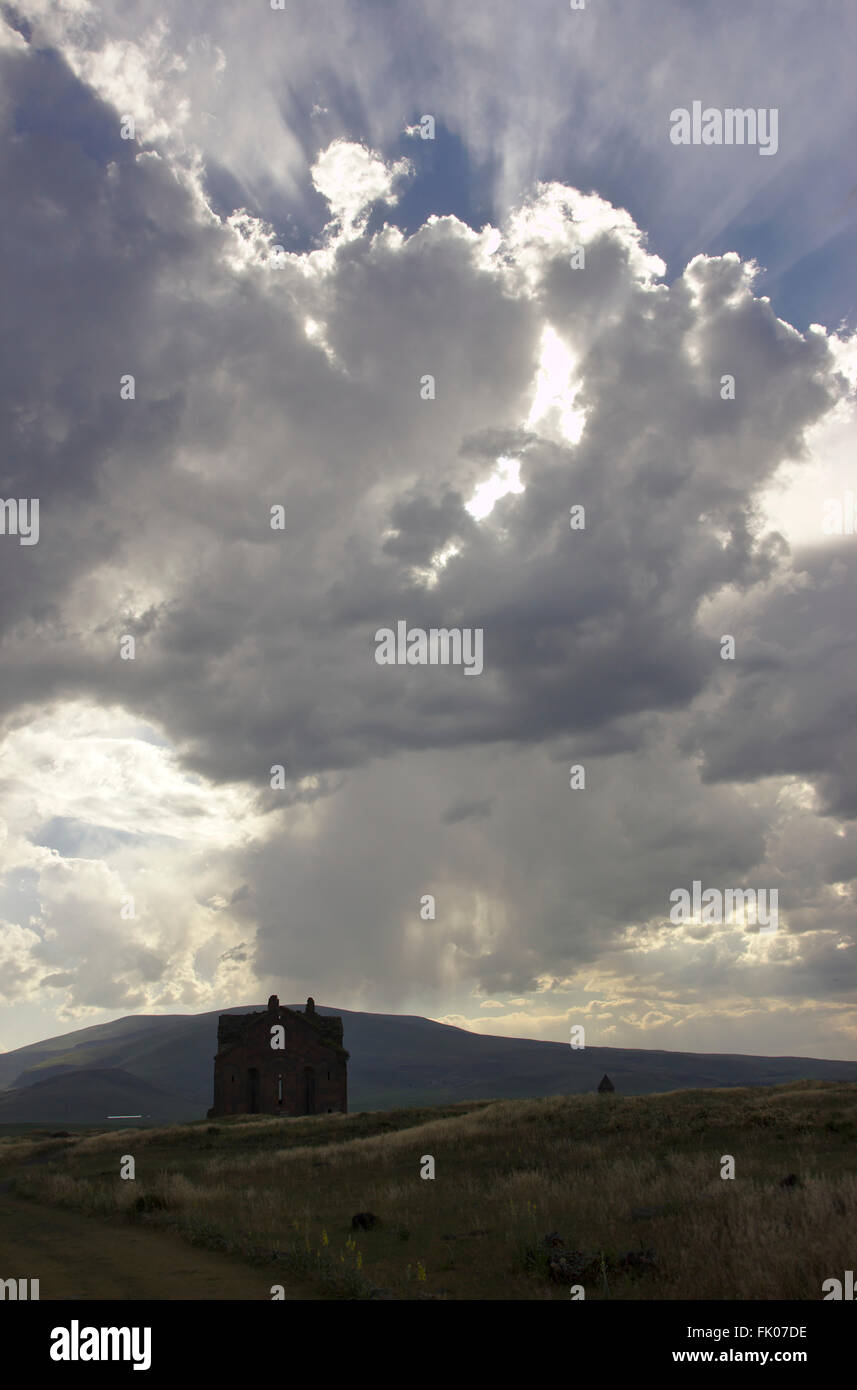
{"x": 231, "y": 260}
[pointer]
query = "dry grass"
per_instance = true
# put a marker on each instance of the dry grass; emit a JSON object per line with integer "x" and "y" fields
{"x": 610, "y": 1174}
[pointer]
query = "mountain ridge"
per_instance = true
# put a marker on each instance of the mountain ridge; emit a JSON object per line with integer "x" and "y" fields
{"x": 396, "y": 1059}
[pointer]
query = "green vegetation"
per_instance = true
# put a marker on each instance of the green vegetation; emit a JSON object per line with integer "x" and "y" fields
{"x": 630, "y": 1186}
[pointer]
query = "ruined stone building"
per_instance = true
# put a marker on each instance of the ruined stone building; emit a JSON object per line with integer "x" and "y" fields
{"x": 253, "y": 1074}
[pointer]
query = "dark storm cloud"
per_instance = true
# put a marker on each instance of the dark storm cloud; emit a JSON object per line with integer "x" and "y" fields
{"x": 300, "y": 387}
{"x": 791, "y": 709}
{"x": 238, "y": 409}
{"x": 466, "y": 810}
{"x": 422, "y": 527}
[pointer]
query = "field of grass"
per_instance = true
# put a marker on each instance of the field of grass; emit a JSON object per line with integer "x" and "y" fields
{"x": 628, "y": 1189}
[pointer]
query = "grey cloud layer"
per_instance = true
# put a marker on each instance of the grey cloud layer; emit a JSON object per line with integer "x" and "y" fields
{"x": 256, "y": 646}
{"x": 155, "y": 513}
{"x": 531, "y": 92}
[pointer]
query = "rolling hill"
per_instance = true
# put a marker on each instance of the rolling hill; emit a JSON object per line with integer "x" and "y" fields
{"x": 395, "y": 1060}
{"x": 88, "y": 1096}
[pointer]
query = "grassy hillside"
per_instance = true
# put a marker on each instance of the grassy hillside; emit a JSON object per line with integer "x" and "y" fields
{"x": 395, "y": 1061}
{"x": 626, "y": 1189}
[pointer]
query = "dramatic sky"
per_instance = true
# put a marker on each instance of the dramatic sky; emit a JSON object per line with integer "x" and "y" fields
{"x": 278, "y": 259}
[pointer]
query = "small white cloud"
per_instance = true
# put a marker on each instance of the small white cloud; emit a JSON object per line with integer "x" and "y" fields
{"x": 352, "y": 178}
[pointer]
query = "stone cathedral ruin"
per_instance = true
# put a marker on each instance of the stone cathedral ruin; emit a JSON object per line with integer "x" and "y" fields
{"x": 279, "y": 1061}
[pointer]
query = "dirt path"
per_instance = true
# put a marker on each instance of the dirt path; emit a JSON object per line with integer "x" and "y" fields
{"x": 74, "y": 1256}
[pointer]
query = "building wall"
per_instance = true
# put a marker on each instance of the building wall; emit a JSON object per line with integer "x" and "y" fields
{"x": 308, "y": 1076}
